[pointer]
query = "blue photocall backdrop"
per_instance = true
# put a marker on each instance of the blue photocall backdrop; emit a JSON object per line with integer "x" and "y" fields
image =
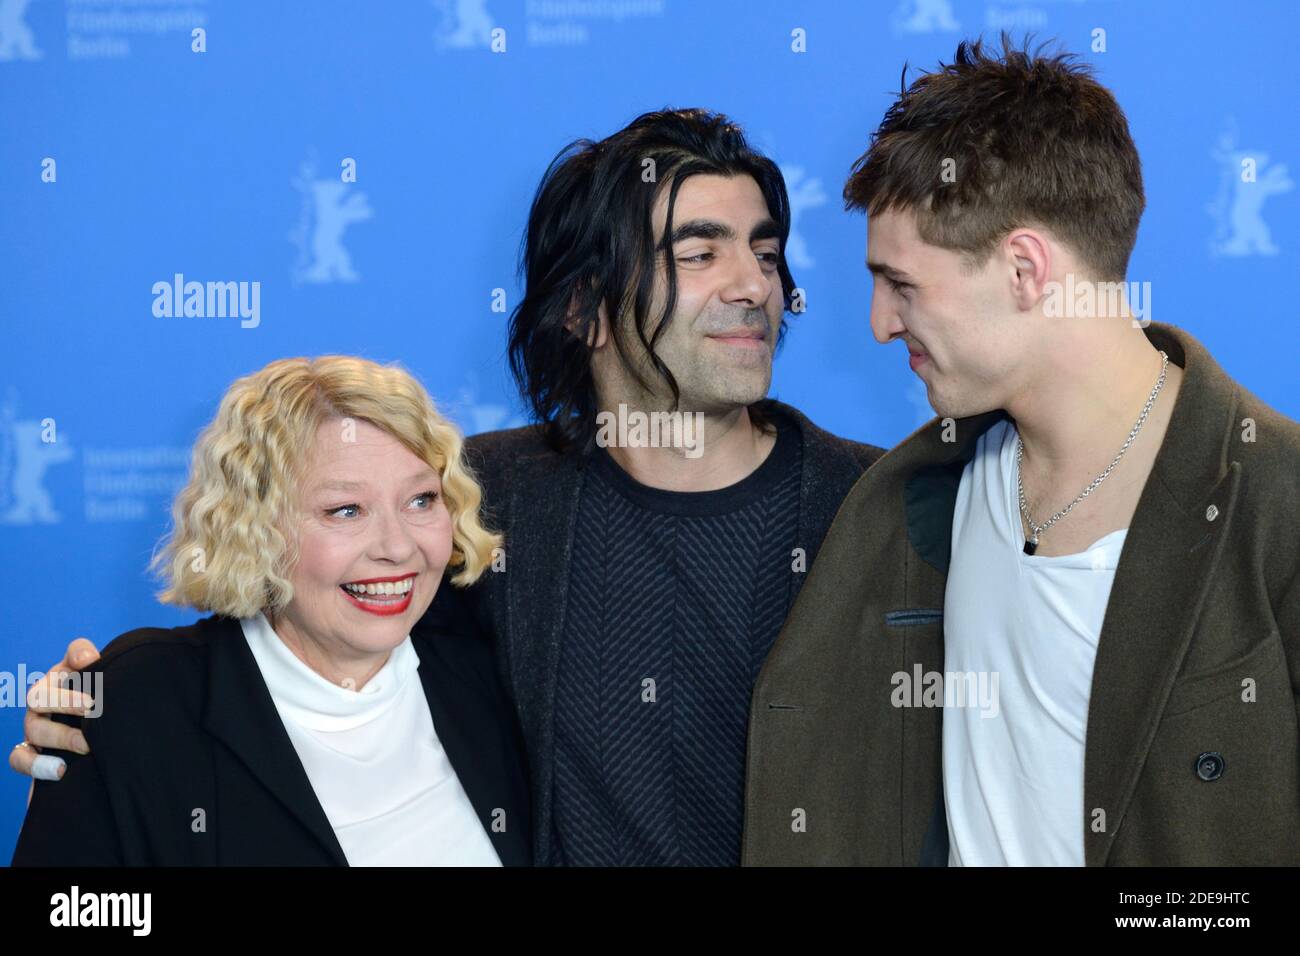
{"x": 128, "y": 157}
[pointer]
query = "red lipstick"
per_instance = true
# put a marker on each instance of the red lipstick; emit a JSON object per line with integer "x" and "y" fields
{"x": 381, "y": 605}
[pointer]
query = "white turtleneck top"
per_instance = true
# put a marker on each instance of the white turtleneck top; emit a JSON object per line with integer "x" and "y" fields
{"x": 374, "y": 759}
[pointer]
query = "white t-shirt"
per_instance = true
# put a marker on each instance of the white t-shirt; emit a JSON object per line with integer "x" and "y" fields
{"x": 1013, "y": 773}
{"x": 374, "y": 760}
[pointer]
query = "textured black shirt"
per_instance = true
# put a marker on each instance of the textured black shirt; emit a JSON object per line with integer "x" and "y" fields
{"x": 674, "y": 600}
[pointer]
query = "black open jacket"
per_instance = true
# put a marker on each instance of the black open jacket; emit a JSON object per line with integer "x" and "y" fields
{"x": 190, "y": 764}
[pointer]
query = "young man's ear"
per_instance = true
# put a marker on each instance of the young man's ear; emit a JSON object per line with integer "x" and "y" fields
{"x": 1032, "y": 262}
{"x": 598, "y": 334}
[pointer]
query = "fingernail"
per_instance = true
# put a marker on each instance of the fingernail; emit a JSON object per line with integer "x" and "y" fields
{"x": 79, "y": 743}
{"x": 84, "y": 657}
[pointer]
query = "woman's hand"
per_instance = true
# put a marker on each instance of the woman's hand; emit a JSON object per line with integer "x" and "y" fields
{"x": 49, "y": 696}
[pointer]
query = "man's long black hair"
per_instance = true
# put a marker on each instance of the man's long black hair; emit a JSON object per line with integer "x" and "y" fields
{"x": 590, "y": 240}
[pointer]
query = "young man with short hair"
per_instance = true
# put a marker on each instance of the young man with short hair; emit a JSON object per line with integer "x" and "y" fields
{"x": 1060, "y": 624}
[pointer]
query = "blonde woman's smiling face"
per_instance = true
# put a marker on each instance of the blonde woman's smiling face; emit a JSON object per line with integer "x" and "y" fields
{"x": 374, "y": 537}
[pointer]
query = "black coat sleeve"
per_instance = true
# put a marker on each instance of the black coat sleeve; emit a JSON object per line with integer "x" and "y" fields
{"x": 70, "y": 822}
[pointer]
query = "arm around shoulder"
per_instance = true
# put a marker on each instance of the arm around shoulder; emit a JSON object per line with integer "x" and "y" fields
{"x": 70, "y": 822}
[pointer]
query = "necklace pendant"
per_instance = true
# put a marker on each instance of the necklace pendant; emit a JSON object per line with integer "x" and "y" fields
{"x": 1031, "y": 545}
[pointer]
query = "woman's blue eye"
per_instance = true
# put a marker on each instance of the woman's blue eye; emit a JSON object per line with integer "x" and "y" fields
{"x": 351, "y": 511}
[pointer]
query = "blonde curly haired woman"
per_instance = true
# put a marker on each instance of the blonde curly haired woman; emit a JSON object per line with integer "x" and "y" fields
{"x": 300, "y": 722}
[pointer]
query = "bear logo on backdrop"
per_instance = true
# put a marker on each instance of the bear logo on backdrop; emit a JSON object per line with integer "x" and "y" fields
{"x": 1247, "y": 178}
{"x": 17, "y": 42}
{"x": 466, "y": 24}
{"x": 925, "y": 16}
{"x": 25, "y": 455}
{"x": 804, "y": 194}
{"x": 329, "y": 207}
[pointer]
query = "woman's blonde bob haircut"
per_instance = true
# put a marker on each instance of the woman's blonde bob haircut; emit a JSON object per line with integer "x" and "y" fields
{"x": 233, "y": 543}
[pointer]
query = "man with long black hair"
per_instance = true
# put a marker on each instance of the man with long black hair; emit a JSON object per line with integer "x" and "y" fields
{"x": 645, "y": 584}
{"x": 660, "y": 516}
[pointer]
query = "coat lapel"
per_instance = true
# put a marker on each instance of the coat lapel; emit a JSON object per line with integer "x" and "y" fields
{"x": 929, "y": 499}
{"x": 829, "y": 472}
{"x": 1169, "y": 557}
{"x": 544, "y": 497}
{"x": 473, "y": 767}
{"x": 239, "y": 712}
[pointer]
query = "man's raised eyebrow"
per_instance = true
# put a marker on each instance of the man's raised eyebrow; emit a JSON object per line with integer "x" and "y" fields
{"x": 767, "y": 229}
{"x": 712, "y": 229}
{"x": 889, "y": 272}
{"x": 701, "y": 229}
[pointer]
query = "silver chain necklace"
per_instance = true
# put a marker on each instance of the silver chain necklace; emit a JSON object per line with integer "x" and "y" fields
{"x": 1031, "y": 545}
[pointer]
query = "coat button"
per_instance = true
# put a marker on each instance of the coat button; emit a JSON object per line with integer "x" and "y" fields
{"x": 1211, "y": 513}
{"x": 1209, "y": 766}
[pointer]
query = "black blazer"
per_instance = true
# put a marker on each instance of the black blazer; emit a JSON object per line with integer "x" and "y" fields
{"x": 190, "y": 764}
